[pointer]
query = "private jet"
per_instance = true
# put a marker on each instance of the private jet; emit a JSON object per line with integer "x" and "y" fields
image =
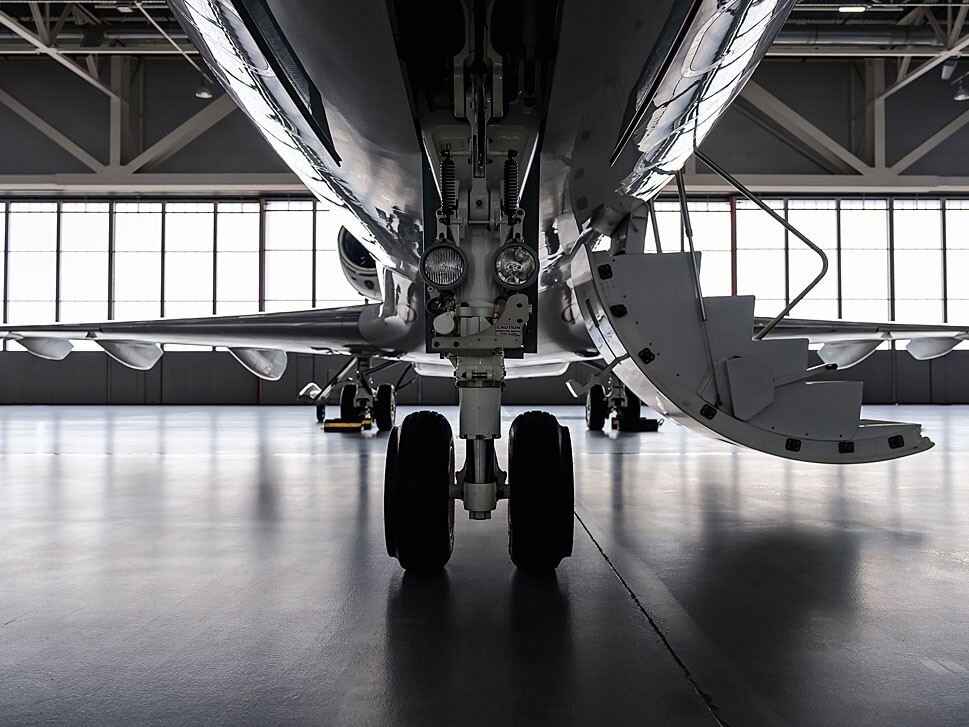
{"x": 494, "y": 164}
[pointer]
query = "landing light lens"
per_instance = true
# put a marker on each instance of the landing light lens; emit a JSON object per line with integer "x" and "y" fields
{"x": 516, "y": 266}
{"x": 444, "y": 266}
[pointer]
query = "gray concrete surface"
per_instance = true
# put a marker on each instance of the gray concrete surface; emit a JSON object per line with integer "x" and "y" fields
{"x": 225, "y": 565}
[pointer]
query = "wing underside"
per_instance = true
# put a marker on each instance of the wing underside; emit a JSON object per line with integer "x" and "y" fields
{"x": 846, "y": 343}
{"x": 259, "y": 342}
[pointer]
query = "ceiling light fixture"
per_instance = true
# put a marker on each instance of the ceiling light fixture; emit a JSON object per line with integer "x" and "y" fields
{"x": 948, "y": 68}
{"x": 852, "y": 8}
{"x": 962, "y": 93}
{"x": 204, "y": 91}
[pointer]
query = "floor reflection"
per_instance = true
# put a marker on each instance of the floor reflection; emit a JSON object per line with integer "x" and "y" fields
{"x": 504, "y": 648}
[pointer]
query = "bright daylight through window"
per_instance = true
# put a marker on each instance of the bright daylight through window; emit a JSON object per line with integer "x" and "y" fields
{"x": 83, "y": 261}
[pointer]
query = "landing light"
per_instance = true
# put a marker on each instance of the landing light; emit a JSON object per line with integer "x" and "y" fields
{"x": 444, "y": 266}
{"x": 516, "y": 266}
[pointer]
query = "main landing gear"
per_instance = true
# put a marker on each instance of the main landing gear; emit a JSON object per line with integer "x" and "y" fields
{"x": 604, "y": 395}
{"x": 621, "y": 400}
{"x": 362, "y": 403}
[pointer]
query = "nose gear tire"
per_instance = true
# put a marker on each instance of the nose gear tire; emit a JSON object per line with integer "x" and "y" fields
{"x": 418, "y": 507}
{"x": 541, "y": 500}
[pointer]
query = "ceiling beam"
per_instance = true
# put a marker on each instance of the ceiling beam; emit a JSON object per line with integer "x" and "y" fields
{"x": 144, "y": 49}
{"x": 50, "y": 132}
{"x": 43, "y": 47}
{"x": 183, "y": 134}
{"x": 810, "y": 135}
{"x": 913, "y": 15}
{"x": 851, "y": 51}
{"x": 882, "y": 182}
{"x": 931, "y": 143}
{"x": 117, "y": 183}
{"x": 957, "y": 24}
{"x": 903, "y": 65}
{"x": 926, "y": 67}
{"x": 43, "y": 32}
{"x": 936, "y": 28}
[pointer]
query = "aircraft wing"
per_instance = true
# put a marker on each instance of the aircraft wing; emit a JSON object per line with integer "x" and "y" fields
{"x": 259, "y": 342}
{"x": 847, "y": 343}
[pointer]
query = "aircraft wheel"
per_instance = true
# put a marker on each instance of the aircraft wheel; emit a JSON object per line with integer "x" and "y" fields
{"x": 320, "y": 413}
{"x": 390, "y": 491}
{"x": 418, "y": 507}
{"x": 540, "y": 505}
{"x": 348, "y": 407}
{"x": 630, "y": 412}
{"x": 385, "y": 407}
{"x": 596, "y": 408}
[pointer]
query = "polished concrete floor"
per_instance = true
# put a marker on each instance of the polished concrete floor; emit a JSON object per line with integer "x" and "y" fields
{"x": 226, "y": 565}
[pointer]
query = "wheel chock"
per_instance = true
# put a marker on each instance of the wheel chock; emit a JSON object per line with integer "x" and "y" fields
{"x": 642, "y": 425}
{"x": 347, "y": 425}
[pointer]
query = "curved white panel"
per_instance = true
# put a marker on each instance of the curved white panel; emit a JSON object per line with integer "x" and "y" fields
{"x": 847, "y": 353}
{"x": 133, "y": 354}
{"x": 52, "y": 349}
{"x": 266, "y": 363}
{"x": 926, "y": 349}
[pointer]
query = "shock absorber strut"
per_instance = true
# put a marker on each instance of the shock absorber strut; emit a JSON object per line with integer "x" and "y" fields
{"x": 510, "y": 199}
{"x": 449, "y": 187}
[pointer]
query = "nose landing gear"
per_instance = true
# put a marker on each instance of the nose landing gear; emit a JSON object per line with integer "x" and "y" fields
{"x": 420, "y": 490}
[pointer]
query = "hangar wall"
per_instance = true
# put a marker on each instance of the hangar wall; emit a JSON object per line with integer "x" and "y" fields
{"x": 225, "y": 156}
{"x": 830, "y": 95}
{"x": 197, "y": 377}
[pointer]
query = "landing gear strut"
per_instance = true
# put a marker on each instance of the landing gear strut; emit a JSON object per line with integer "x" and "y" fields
{"x": 619, "y": 399}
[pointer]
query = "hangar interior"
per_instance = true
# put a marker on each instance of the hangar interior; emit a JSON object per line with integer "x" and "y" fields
{"x": 217, "y": 563}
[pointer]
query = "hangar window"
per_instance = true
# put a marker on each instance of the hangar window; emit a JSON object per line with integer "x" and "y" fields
{"x": 237, "y": 258}
{"x": 816, "y": 219}
{"x": 83, "y": 265}
{"x": 864, "y": 260}
{"x": 78, "y": 261}
{"x": 331, "y": 289}
{"x": 189, "y": 258}
{"x": 917, "y": 269}
{"x": 137, "y": 260}
{"x": 670, "y": 227}
{"x": 957, "y": 260}
{"x": 762, "y": 256}
{"x": 711, "y": 233}
{"x": 31, "y": 261}
{"x": 289, "y": 255}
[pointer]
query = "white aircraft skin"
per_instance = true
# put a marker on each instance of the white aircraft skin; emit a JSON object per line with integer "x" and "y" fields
{"x": 601, "y": 102}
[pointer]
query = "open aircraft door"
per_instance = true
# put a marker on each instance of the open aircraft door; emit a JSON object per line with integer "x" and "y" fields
{"x": 695, "y": 360}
